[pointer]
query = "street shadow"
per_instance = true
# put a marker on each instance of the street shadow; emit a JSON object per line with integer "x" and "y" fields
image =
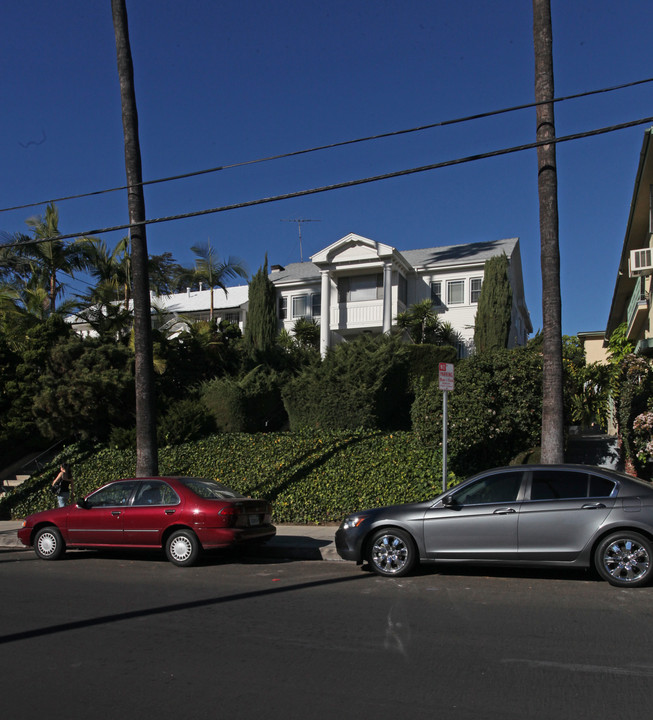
{"x": 173, "y": 607}
{"x": 499, "y": 571}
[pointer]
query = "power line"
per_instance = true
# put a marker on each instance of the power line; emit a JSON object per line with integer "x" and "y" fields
{"x": 342, "y": 185}
{"x": 343, "y": 143}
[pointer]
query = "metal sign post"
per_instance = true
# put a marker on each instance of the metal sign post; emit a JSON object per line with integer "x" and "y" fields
{"x": 445, "y": 383}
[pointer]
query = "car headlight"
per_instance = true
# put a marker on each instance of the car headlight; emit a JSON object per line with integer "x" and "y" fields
{"x": 353, "y": 521}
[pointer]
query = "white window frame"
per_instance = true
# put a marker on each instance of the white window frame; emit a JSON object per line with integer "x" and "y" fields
{"x": 451, "y": 284}
{"x": 475, "y": 292}
{"x": 366, "y": 288}
{"x": 316, "y": 305}
{"x": 305, "y": 298}
{"x": 436, "y": 295}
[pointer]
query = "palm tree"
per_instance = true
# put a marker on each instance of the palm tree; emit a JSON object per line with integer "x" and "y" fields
{"x": 164, "y": 274}
{"x": 420, "y": 321}
{"x": 446, "y": 334}
{"x": 25, "y": 307}
{"x": 110, "y": 268}
{"x": 51, "y": 257}
{"x": 14, "y": 265}
{"x": 211, "y": 269}
{"x": 552, "y": 371}
{"x": 147, "y": 462}
{"x": 307, "y": 333}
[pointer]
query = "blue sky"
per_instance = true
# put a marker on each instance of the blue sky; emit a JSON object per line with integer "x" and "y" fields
{"x": 221, "y": 83}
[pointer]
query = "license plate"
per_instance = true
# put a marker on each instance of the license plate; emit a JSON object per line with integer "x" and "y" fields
{"x": 254, "y": 520}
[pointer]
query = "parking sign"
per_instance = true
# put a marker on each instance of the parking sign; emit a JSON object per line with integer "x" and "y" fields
{"x": 446, "y": 376}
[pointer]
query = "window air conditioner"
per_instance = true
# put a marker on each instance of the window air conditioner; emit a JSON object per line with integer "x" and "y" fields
{"x": 641, "y": 262}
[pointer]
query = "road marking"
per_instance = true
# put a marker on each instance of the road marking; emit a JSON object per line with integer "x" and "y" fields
{"x": 637, "y": 670}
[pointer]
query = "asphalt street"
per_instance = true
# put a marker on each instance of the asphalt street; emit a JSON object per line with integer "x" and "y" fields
{"x": 133, "y": 636}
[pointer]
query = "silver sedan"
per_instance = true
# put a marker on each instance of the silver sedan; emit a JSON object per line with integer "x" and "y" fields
{"x": 555, "y": 515}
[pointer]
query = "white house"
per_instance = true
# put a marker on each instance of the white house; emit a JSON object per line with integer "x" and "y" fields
{"x": 358, "y": 285}
{"x": 189, "y": 306}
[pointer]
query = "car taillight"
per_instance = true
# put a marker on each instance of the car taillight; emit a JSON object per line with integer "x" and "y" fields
{"x": 230, "y": 515}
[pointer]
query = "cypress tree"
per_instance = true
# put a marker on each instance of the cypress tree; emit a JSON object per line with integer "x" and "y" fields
{"x": 261, "y": 327}
{"x": 494, "y": 312}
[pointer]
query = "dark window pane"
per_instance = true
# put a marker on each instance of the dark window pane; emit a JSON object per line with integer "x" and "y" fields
{"x": 493, "y": 489}
{"x": 559, "y": 485}
{"x": 600, "y": 487}
{"x": 115, "y": 494}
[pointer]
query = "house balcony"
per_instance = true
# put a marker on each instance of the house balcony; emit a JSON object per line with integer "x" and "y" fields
{"x": 357, "y": 315}
{"x": 637, "y": 310}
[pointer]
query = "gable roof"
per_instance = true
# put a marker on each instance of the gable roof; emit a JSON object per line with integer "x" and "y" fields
{"x": 444, "y": 255}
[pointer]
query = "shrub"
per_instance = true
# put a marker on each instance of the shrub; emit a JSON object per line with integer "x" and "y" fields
{"x": 424, "y": 360}
{"x": 494, "y": 412}
{"x": 361, "y": 384}
{"x": 310, "y": 477}
{"x": 185, "y": 420}
{"x": 251, "y": 404}
{"x": 632, "y": 391}
{"x": 224, "y": 399}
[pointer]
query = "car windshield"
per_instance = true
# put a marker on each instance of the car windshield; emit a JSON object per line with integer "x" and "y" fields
{"x": 209, "y": 489}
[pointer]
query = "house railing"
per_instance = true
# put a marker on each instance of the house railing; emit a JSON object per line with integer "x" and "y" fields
{"x": 357, "y": 315}
{"x": 637, "y": 307}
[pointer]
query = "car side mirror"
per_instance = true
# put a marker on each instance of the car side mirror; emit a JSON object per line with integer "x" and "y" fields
{"x": 81, "y": 503}
{"x": 449, "y": 501}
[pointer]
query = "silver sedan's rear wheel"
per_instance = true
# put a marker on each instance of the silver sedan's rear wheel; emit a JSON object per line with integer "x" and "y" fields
{"x": 392, "y": 552}
{"x": 48, "y": 543}
{"x": 182, "y": 547}
{"x": 625, "y": 559}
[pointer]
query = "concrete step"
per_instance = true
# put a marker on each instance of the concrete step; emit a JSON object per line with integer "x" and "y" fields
{"x": 14, "y": 482}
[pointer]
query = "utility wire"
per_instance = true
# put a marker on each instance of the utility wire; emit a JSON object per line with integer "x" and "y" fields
{"x": 346, "y": 184}
{"x": 295, "y": 153}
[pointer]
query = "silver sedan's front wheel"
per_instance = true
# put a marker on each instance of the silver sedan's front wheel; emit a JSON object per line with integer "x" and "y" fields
{"x": 624, "y": 559}
{"x": 392, "y": 553}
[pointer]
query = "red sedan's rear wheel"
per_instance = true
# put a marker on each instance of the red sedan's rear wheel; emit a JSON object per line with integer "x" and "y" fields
{"x": 182, "y": 547}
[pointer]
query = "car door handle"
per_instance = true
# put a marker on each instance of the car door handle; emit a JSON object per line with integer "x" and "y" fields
{"x": 504, "y": 511}
{"x": 116, "y": 513}
{"x": 593, "y": 506}
{"x": 169, "y": 512}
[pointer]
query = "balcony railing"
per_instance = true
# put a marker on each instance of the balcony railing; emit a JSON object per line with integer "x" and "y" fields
{"x": 637, "y": 308}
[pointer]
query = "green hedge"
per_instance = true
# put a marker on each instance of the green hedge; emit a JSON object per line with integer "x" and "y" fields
{"x": 310, "y": 477}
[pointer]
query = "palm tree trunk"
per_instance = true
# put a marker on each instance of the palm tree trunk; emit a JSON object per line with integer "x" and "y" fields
{"x": 146, "y": 447}
{"x": 53, "y": 288}
{"x": 552, "y": 403}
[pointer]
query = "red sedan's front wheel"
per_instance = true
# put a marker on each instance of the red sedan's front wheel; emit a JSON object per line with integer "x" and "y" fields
{"x": 48, "y": 543}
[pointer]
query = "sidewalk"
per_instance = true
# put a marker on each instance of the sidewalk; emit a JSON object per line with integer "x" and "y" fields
{"x": 292, "y": 542}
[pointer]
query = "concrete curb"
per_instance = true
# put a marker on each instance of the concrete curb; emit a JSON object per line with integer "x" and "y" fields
{"x": 292, "y": 542}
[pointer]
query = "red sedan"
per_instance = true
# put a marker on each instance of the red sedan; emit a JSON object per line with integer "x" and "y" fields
{"x": 179, "y": 514}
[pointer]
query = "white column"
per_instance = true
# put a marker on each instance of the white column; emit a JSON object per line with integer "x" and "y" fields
{"x": 325, "y": 312}
{"x": 387, "y": 297}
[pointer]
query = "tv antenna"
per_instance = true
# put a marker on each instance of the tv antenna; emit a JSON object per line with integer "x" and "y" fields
{"x": 299, "y": 222}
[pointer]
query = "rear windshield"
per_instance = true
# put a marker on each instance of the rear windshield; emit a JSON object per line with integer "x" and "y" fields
{"x": 209, "y": 489}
